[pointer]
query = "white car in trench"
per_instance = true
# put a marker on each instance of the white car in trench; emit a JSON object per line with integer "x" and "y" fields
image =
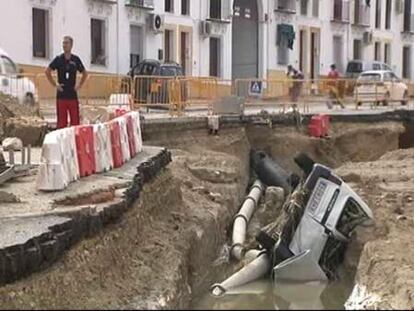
{"x": 13, "y": 84}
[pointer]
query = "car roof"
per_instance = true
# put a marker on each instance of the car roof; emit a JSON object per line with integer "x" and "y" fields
{"x": 372, "y": 72}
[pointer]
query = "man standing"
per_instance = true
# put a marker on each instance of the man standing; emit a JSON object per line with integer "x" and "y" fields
{"x": 67, "y": 66}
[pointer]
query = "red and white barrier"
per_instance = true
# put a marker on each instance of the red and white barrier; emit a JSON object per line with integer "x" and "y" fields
{"x": 103, "y": 149}
{"x": 71, "y": 153}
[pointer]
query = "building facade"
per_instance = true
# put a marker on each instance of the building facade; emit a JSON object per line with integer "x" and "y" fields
{"x": 224, "y": 38}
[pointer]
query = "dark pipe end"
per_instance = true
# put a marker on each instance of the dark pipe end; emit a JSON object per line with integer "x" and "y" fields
{"x": 305, "y": 163}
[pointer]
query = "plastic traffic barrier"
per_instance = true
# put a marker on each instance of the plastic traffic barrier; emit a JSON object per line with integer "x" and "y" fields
{"x": 103, "y": 148}
{"x": 317, "y": 127}
{"x": 137, "y": 128}
{"x": 70, "y": 153}
{"x": 119, "y": 104}
{"x": 126, "y": 154}
{"x": 85, "y": 145}
{"x": 116, "y": 143}
{"x": 131, "y": 136}
{"x": 52, "y": 174}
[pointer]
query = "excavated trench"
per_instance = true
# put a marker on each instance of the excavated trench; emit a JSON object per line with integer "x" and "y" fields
{"x": 171, "y": 246}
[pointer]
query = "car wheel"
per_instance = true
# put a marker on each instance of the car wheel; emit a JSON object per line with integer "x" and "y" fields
{"x": 404, "y": 102}
{"x": 29, "y": 100}
{"x": 386, "y": 100}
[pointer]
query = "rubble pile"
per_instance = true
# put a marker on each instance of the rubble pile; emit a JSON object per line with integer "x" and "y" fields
{"x": 21, "y": 121}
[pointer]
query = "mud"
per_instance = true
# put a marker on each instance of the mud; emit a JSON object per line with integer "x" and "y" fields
{"x": 160, "y": 255}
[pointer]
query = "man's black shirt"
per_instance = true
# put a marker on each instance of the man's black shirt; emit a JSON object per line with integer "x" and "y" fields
{"x": 67, "y": 70}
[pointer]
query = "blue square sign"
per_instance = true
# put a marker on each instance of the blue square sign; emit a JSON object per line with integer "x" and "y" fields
{"x": 256, "y": 88}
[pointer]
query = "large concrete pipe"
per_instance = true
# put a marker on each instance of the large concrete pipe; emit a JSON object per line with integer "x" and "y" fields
{"x": 269, "y": 172}
{"x": 254, "y": 271}
{"x": 242, "y": 219}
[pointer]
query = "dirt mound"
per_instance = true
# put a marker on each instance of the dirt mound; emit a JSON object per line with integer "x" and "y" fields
{"x": 385, "y": 275}
{"x": 348, "y": 143}
{"x": 22, "y": 121}
{"x": 31, "y": 130}
{"x": 10, "y": 107}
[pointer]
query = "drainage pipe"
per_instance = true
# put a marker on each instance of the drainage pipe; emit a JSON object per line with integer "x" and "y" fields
{"x": 254, "y": 271}
{"x": 242, "y": 219}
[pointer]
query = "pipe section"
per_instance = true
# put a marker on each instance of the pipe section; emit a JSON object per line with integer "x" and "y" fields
{"x": 254, "y": 271}
{"x": 242, "y": 219}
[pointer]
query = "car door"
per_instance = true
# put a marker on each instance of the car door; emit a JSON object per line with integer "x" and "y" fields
{"x": 389, "y": 85}
{"x": 399, "y": 87}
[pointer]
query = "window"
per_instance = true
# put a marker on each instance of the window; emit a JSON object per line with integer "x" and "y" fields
{"x": 185, "y": 7}
{"x": 357, "y": 49}
{"x": 408, "y": 16}
{"x": 388, "y": 7}
{"x": 315, "y": 8}
{"x": 406, "y": 60}
{"x": 387, "y": 76}
{"x": 304, "y": 7}
{"x": 98, "y": 42}
{"x": 9, "y": 66}
{"x": 169, "y": 6}
{"x": 378, "y": 14}
{"x": 215, "y": 9}
{"x": 387, "y": 53}
{"x": 40, "y": 33}
{"x": 168, "y": 45}
{"x": 377, "y": 55}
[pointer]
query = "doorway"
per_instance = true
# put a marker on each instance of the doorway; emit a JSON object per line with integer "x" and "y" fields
{"x": 137, "y": 45}
{"x": 215, "y": 57}
{"x": 314, "y": 61}
{"x": 245, "y": 39}
{"x": 185, "y": 53}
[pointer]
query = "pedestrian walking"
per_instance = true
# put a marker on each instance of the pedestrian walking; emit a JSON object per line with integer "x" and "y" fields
{"x": 333, "y": 77}
{"x": 67, "y": 66}
{"x": 296, "y": 88}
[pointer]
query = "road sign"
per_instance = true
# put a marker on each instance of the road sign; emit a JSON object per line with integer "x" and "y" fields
{"x": 255, "y": 88}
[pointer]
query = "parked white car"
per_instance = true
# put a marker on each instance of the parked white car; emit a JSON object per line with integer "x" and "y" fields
{"x": 380, "y": 86}
{"x": 13, "y": 84}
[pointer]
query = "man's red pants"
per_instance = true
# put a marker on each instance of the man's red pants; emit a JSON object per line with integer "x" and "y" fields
{"x": 65, "y": 107}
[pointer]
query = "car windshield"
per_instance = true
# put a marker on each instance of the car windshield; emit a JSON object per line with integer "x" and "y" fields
{"x": 370, "y": 77}
{"x": 168, "y": 71}
{"x": 147, "y": 69}
{"x": 9, "y": 66}
{"x": 354, "y": 67}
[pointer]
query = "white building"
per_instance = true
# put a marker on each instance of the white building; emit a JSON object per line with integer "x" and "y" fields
{"x": 225, "y": 38}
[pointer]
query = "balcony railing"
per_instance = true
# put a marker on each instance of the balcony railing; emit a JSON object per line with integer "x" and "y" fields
{"x": 341, "y": 11}
{"x": 285, "y": 6}
{"x": 362, "y": 15}
{"x": 143, "y": 4}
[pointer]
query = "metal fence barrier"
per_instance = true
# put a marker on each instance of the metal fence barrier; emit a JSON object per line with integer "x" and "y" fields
{"x": 180, "y": 94}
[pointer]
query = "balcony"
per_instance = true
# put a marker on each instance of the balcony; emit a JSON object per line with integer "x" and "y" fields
{"x": 362, "y": 15}
{"x": 285, "y": 6}
{"x": 142, "y": 4}
{"x": 341, "y": 11}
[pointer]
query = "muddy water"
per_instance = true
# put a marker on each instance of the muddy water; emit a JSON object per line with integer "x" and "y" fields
{"x": 262, "y": 295}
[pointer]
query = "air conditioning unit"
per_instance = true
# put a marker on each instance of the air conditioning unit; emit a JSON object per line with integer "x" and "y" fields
{"x": 205, "y": 28}
{"x": 368, "y": 37}
{"x": 399, "y": 6}
{"x": 156, "y": 23}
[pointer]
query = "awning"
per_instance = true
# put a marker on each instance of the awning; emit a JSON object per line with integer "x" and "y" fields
{"x": 285, "y": 35}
